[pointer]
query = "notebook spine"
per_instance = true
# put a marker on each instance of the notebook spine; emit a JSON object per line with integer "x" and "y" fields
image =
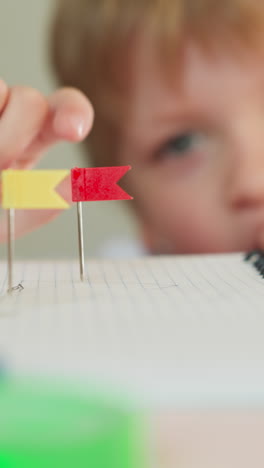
{"x": 256, "y": 258}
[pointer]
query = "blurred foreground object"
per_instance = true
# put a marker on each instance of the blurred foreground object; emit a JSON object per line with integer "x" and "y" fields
{"x": 54, "y": 428}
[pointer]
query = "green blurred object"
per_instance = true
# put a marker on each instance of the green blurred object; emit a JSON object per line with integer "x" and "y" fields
{"x": 42, "y": 427}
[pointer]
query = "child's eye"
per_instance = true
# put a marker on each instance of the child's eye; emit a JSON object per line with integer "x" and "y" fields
{"x": 181, "y": 145}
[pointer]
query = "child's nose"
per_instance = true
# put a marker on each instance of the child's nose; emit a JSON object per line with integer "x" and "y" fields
{"x": 246, "y": 190}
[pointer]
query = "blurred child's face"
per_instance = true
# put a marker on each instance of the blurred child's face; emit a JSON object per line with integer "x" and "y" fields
{"x": 197, "y": 151}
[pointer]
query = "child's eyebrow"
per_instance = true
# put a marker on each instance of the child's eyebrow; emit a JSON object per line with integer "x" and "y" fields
{"x": 181, "y": 116}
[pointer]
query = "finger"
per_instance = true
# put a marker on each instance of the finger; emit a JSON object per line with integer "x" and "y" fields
{"x": 71, "y": 117}
{"x": 21, "y": 121}
{"x": 4, "y": 93}
{"x": 28, "y": 220}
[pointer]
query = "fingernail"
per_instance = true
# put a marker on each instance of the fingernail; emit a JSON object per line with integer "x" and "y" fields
{"x": 71, "y": 126}
{"x": 80, "y": 125}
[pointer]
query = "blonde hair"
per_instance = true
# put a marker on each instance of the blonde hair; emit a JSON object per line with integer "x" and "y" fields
{"x": 91, "y": 37}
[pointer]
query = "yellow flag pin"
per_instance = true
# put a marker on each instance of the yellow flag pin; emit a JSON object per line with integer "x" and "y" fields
{"x": 29, "y": 190}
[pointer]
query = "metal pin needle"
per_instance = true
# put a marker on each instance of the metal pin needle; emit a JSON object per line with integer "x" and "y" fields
{"x": 10, "y": 247}
{"x": 80, "y": 239}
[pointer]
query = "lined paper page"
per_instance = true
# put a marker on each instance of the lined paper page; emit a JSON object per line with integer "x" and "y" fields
{"x": 181, "y": 329}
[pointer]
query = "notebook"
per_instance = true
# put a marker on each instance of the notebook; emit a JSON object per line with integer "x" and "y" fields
{"x": 184, "y": 330}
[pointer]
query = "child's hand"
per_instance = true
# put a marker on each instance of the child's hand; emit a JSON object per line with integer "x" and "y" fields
{"x": 29, "y": 124}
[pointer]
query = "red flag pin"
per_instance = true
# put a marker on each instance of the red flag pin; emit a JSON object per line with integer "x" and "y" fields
{"x": 95, "y": 184}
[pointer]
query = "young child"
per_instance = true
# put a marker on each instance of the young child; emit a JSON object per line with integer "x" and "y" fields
{"x": 178, "y": 92}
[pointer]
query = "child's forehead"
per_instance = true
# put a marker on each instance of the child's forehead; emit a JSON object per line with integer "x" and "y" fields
{"x": 192, "y": 69}
{"x": 198, "y": 85}
{"x": 193, "y": 84}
